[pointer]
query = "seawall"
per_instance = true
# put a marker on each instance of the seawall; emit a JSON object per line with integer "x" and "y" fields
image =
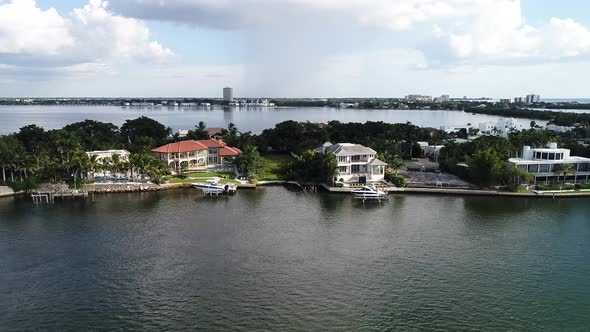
{"x": 6, "y": 191}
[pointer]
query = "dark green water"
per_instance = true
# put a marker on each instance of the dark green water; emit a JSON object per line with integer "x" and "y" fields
{"x": 279, "y": 260}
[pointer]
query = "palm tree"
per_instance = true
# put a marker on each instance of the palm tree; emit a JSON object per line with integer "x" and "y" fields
{"x": 116, "y": 164}
{"x": 4, "y": 157}
{"x": 565, "y": 170}
{"x": 106, "y": 164}
{"x": 134, "y": 161}
{"x": 93, "y": 165}
{"x": 79, "y": 162}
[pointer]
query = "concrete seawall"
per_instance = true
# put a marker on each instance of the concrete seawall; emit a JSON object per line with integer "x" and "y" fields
{"x": 6, "y": 191}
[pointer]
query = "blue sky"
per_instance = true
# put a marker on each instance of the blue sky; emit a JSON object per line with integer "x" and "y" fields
{"x": 294, "y": 48}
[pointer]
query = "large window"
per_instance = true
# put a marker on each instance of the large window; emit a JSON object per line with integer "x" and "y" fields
{"x": 584, "y": 167}
{"x": 544, "y": 168}
{"x": 213, "y": 151}
{"x": 212, "y": 160}
{"x": 356, "y": 168}
{"x": 551, "y": 156}
{"x": 355, "y": 158}
{"x": 342, "y": 159}
{"x": 533, "y": 169}
{"x": 544, "y": 155}
{"x": 343, "y": 169}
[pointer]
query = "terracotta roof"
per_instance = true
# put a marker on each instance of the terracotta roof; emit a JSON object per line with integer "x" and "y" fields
{"x": 228, "y": 151}
{"x": 214, "y": 131}
{"x": 211, "y": 143}
{"x": 180, "y": 147}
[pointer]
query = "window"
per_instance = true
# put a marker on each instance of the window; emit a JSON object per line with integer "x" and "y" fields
{"x": 355, "y": 168}
{"x": 212, "y": 160}
{"x": 544, "y": 156}
{"x": 533, "y": 169}
{"x": 213, "y": 151}
{"x": 584, "y": 167}
{"x": 342, "y": 159}
{"x": 343, "y": 169}
{"x": 552, "y": 156}
{"x": 523, "y": 167}
{"x": 355, "y": 158}
{"x": 544, "y": 168}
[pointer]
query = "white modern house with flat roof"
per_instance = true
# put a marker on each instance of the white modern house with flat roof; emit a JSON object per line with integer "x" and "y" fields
{"x": 502, "y": 127}
{"x": 356, "y": 163}
{"x": 100, "y": 155}
{"x": 545, "y": 163}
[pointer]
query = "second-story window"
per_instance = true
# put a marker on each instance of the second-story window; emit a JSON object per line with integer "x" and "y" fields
{"x": 355, "y": 158}
{"x": 341, "y": 159}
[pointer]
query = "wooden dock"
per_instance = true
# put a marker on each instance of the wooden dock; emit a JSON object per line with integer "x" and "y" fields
{"x": 48, "y": 197}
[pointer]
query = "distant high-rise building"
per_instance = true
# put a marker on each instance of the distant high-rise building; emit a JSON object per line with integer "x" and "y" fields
{"x": 418, "y": 98}
{"x": 518, "y": 100}
{"x": 532, "y": 99}
{"x": 228, "y": 94}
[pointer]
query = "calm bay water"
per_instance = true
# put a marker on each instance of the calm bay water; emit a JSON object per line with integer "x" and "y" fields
{"x": 277, "y": 259}
{"x": 246, "y": 119}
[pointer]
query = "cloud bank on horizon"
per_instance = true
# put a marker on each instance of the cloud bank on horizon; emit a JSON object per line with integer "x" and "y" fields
{"x": 289, "y": 48}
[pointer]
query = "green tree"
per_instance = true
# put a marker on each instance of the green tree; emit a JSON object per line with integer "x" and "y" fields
{"x": 92, "y": 165}
{"x": 199, "y": 133}
{"x": 138, "y": 133}
{"x": 249, "y": 162}
{"x": 484, "y": 167}
{"x": 231, "y": 136}
{"x": 311, "y": 166}
{"x": 565, "y": 170}
{"x": 512, "y": 177}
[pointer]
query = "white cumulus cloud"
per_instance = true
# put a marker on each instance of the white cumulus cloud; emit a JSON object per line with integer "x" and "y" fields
{"x": 31, "y": 37}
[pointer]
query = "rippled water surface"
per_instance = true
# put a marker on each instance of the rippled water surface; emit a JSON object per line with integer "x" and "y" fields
{"x": 246, "y": 119}
{"x": 277, "y": 259}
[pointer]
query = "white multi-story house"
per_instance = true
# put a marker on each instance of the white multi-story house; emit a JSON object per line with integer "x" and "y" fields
{"x": 101, "y": 155}
{"x": 356, "y": 163}
{"x": 546, "y": 163}
{"x": 202, "y": 155}
{"x": 502, "y": 127}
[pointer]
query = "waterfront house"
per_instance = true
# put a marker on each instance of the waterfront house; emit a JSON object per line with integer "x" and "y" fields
{"x": 198, "y": 156}
{"x": 356, "y": 163}
{"x": 100, "y": 155}
{"x": 545, "y": 164}
{"x": 108, "y": 154}
{"x": 502, "y": 127}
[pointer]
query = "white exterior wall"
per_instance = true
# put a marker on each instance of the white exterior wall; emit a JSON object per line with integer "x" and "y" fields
{"x": 545, "y": 169}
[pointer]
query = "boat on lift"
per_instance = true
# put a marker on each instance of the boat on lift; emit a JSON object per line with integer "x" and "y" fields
{"x": 212, "y": 187}
{"x": 369, "y": 193}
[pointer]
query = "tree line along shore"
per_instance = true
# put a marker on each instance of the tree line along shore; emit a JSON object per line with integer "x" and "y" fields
{"x": 34, "y": 156}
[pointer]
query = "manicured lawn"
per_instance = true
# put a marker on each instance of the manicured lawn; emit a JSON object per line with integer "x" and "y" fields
{"x": 201, "y": 177}
{"x": 273, "y": 166}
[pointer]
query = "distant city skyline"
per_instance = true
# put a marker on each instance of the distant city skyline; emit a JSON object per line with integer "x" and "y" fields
{"x": 321, "y": 49}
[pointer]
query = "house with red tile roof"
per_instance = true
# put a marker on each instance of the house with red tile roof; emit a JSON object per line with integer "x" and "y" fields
{"x": 198, "y": 156}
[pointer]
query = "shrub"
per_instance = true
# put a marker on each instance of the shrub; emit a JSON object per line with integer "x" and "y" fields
{"x": 583, "y": 186}
{"x": 396, "y": 179}
{"x": 26, "y": 185}
{"x": 555, "y": 186}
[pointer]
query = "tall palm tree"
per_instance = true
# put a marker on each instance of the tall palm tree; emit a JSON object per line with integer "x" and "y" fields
{"x": 116, "y": 164}
{"x": 4, "y": 157}
{"x": 93, "y": 165}
{"x": 106, "y": 164}
{"x": 79, "y": 162}
{"x": 134, "y": 161}
{"x": 565, "y": 170}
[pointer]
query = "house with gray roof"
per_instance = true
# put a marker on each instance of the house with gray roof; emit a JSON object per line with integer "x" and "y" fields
{"x": 356, "y": 163}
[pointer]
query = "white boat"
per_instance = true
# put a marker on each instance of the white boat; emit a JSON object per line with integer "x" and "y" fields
{"x": 369, "y": 192}
{"x": 211, "y": 187}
